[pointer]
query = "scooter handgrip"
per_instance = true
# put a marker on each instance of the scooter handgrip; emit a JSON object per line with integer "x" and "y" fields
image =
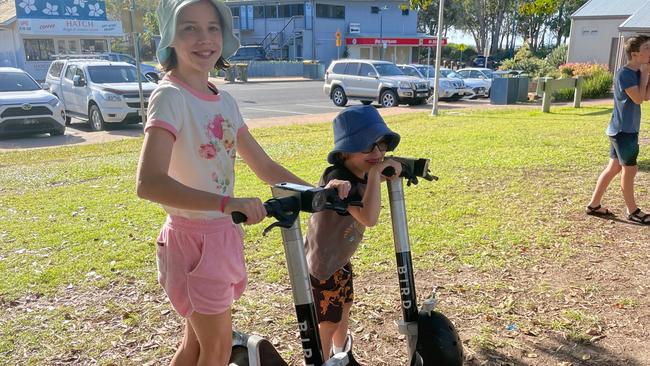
{"x": 389, "y": 171}
{"x": 238, "y": 217}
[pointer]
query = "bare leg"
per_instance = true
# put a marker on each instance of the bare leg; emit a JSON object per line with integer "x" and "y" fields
{"x": 627, "y": 185}
{"x": 214, "y": 334}
{"x": 342, "y": 330}
{"x": 326, "y": 330}
{"x": 188, "y": 352}
{"x": 612, "y": 169}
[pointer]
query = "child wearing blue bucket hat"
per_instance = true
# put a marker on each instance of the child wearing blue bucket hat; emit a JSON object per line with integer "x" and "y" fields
{"x": 187, "y": 165}
{"x": 361, "y": 139}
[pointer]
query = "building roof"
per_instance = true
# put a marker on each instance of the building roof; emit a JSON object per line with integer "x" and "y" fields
{"x": 7, "y": 12}
{"x": 609, "y": 8}
{"x": 639, "y": 21}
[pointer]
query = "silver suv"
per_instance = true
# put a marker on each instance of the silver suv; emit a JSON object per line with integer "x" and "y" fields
{"x": 98, "y": 91}
{"x": 369, "y": 80}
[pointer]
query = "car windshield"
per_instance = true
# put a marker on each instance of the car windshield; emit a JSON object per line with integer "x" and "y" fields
{"x": 388, "y": 70}
{"x": 450, "y": 74}
{"x": 13, "y": 81}
{"x": 113, "y": 74}
{"x": 427, "y": 70}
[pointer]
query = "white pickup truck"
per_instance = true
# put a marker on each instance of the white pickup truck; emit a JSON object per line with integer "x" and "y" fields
{"x": 98, "y": 91}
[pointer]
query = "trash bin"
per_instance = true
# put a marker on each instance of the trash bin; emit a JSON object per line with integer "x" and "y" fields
{"x": 504, "y": 90}
{"x": 242, "y": 72}
{"x": 522, "y": 88}
{"x": 230, "y": 74}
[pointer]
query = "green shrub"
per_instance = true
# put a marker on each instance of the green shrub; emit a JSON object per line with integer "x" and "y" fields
{"x": 597, "y": 81}
{"x": 558, "y": 56}
{"x": 525, "y": 60}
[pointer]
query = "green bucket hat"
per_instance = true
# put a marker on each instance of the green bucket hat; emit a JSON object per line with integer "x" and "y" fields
{"x": 168, "y": 11}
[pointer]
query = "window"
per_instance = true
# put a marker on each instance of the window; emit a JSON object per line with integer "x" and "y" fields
{"x": 271, "y": 11}
{"x": 56, "y": 68}
{"x": 339, "y": 68}
{"x": 352, "y": 68}
{"x": 410, "y": 71}
{"x": 330, "y": 11}
{"x": 297, "y": 9}
{"x": 39, "y": 49}
{"x": 235, "y": 11}
{"x": 464, "y": 73}
{"x": 113, "y": 74}
{"x": 94, "y": 45}
{"x": 69, "y": 73}
{"x": 258, "y": 12}
{"x": 475, "y": 74}
{"x": 365, "y": 69}
{"x": 79, "y": 72}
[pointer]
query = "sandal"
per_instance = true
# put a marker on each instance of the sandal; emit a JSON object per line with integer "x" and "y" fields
{"x": 594, "y": 211}
{"x": 638, "y": 217}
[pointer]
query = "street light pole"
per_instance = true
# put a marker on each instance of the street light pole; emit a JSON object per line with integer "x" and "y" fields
{"x": 436, "y": 90}
{"x": 381, "y": 31}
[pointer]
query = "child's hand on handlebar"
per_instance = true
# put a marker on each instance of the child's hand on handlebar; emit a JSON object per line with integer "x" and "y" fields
{"x": 342, "y": 187}
{"x": 388, "y": 162}
{"x": 251, "y": 207}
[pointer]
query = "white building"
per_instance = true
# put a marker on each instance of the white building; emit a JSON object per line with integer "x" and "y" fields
{"x": 599, "y": 28}
{"x": 32, "y": 32}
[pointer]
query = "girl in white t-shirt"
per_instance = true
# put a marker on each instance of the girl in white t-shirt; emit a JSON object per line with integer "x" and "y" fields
{"x": 192, "y": 135}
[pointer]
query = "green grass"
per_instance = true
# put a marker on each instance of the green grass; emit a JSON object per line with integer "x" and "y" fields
{"x": 70, "y": 218}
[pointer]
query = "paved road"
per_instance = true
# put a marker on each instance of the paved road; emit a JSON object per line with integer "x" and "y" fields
{"x": 261, "y": 104}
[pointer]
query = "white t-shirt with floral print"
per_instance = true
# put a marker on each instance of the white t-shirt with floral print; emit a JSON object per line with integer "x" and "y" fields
{"x": 205, "y": 128}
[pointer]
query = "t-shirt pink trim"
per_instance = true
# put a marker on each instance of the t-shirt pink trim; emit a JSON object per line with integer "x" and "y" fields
{"x": 162, "y": 124}
{"x": 203, "y": 96}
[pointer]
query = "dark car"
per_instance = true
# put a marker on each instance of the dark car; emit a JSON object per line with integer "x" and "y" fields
{"x": 249, "y": 53}
{"x": 479, "y": 61}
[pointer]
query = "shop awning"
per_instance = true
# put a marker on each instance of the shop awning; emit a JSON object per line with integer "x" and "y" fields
{"x": 393, "y": 41}
{"x": 7, "y": 13}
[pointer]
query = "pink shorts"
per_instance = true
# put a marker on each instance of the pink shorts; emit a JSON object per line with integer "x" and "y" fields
{"x": 201, "y": 264}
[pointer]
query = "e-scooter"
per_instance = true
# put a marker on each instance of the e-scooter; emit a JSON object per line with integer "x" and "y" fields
{"x": 289, "y": 199}
{"x": 431, "y": 337}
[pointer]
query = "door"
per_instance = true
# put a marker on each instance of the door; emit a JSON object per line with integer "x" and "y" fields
{"x": 67, "y": 88}
{"x": 80, "y": 93}
{"x": 351, "y": 82}
{"x": 368, "y": 85}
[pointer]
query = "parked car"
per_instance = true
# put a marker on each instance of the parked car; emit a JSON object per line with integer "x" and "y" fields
{"x": 479, "y": 87}
{"x": 369, "y": 80}
{"x": 26, "y": 108}
{"x": 98, "y": 91}
{"x": 451, "y": 87}
{"x": 478, "y": 74}
{"x": 479, "y": 61}
{"x": 150, "y": 72}
{"x": 249, "y": 53}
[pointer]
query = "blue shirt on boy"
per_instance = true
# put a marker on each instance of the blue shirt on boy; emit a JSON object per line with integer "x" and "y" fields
{"x": 626, "y": 116}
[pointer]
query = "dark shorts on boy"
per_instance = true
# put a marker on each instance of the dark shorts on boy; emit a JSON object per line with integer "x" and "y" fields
{"x": 624, "y": 147}
{"x": 331, "y": 294}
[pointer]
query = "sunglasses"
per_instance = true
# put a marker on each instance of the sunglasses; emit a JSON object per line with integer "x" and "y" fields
{"x": 382, "y": 146}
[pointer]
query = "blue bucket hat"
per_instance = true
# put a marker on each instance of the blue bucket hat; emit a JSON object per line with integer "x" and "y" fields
{"x": 168, "y": 11}
{"x": 357, "y": 128}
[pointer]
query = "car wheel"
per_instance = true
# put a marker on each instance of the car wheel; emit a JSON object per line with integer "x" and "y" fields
{"x": 366, "y": 102}
{"x": 95, "y": 118}
{"x": 338, "y": 97}
{"x": 388, "y": 99}
{"x": 57, "y": 132}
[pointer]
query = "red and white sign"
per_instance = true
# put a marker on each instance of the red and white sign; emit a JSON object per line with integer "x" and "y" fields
{"x": 372, "y": 41}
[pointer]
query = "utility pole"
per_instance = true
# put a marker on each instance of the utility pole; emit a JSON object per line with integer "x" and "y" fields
{"x": 434, "y": 111}
{"x": 136, "y": 42}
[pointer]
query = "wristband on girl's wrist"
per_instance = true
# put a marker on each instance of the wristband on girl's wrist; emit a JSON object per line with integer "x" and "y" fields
{"x": 224, "y": 201}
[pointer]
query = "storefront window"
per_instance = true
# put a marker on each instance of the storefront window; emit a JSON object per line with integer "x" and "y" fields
{"x": 94, "y": 46}
{"x": 39, "y": 49}
{"x": 330, "y": 11}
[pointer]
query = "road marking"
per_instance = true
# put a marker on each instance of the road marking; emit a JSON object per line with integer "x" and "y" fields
{"x": 274, "y": 110}
{"x": 318, "y": 106}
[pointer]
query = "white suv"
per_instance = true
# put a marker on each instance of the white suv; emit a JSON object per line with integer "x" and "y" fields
{"x": 25, "y": 107}
{"x": 98, "y": 91}
{"x": 369, "y": 80}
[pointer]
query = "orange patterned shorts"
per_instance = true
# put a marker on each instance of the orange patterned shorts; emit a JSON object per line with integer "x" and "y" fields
{"x": 331, "y": 294}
